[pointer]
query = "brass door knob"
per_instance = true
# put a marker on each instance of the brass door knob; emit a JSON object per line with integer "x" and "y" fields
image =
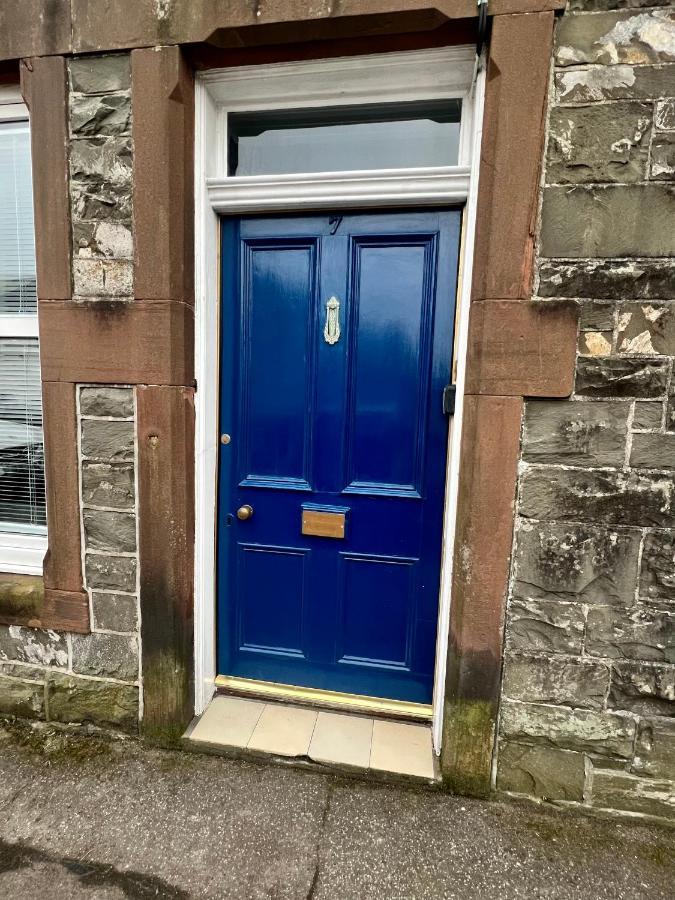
{"x": 244, "y": 512}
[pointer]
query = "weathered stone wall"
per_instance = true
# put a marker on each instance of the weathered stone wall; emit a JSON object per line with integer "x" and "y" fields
{"x": 588, "y": 695}
{"x": 94, "y": 678}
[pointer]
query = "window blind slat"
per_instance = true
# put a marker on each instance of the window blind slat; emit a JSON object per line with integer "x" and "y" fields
{"x": 17, "y": 241}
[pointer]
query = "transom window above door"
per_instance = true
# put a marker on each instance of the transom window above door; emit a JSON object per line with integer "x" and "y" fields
{"x": 370, "y": 131}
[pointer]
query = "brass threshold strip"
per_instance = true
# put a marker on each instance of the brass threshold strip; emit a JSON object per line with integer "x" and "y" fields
{"x": 269, "y": 690}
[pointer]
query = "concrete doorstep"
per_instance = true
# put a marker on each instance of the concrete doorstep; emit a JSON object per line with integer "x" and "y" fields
{"x": 86, "y": 817}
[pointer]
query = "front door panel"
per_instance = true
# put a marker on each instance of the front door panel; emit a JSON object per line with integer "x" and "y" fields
{"x": 342, "y": 431}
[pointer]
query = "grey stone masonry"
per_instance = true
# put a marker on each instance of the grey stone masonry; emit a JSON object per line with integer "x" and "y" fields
{"x": 101, "y": 176}
{"x": 588, "y": 698}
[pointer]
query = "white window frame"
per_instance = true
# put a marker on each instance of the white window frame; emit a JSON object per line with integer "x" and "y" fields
{"x": 440, "y": 73}
{"x": 21, "y": 552}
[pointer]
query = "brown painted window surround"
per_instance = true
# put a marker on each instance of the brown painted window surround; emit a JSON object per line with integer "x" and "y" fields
{"x": 509, "y": 334}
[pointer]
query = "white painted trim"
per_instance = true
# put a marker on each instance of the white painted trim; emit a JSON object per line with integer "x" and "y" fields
{"x": 455, "y": 435}
{"x": 19, "y": 326}
{"x": 433, "y": 74}
{"x": 378, "y": 188}
{"x": 22, "y": 553}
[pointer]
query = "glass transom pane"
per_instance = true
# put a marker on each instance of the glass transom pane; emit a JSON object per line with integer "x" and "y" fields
{"x": 17, "y": 241}
{"x": 22, "y": 482}
{"x": 341, "y": 139}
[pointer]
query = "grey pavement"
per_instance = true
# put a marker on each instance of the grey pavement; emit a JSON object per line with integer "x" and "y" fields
{"x": 84, "y": 818}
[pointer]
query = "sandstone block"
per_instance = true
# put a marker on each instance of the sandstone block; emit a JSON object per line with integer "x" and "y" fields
{"x": 114, "y": 612}
{"x": 655, "y": 749}
{"x": 600, "y": 733}
{"x": 621, "y": 377}
{"x": 575, "y": 434}
{"x": 100, "y": 115}
{"x": 583, "y": 563}
{"x": 33, "y": 645}
{"x": 616, "y": 37}
{"x": 541, "y": 772}
{"x": 114, "y": 531}
{"x": 111, "y": 573}
{"x": 642, "y": 279}
{"x": 107, "y": 401}
{"x": 72, "y": 699}
{"x": 108, "y": 485}
{"x": 614, "y": 498}
{"x": 108, "y": 441}
{"x": 645, "y": 211}
{"x": 24, "y": 699}
{"x": 100, "y": 74}
{"x": 565, "y": 681}
{"x": 103, "y": 277}
{"x": 546, "y": 625}
{"x": 106, "y": 656}
{"x": 647, "y": 415}
{"x": 622, "y": 82}
{"x": 619, "y": 790}
{"x": 657, "y": 566}
{"x": 642, "y": 634}
{"x": 599, "y": 143}
{"x": 643, "y": 689}
{"x": 653, "y": 451}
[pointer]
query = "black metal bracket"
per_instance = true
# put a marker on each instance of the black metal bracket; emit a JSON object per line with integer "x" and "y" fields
{"x": 449, "y": 395}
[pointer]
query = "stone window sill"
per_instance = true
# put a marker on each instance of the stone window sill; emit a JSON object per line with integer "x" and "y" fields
{"x": 25, "y": 601}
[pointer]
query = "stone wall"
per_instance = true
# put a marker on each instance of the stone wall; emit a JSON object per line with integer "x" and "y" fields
{"x": 94, "y": 678}
{"x": 588, "y": 694}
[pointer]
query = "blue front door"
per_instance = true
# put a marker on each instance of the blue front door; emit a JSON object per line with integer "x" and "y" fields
{"x": 337, "y": 336}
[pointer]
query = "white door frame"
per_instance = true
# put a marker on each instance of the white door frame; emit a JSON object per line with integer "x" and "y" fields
{"x": 446, "y": 72}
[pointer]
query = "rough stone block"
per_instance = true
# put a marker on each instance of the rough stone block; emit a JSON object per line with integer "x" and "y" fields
{"x": 619, "y": 790}
{"x": 622, "y": 82}
{"x": 664, "y": 114}
{"x": 101, "y": 161}
{"x": 108, "y": 441}
{"x": 113, "y": 240}
{"x": 614, "y": 498}
{"x": 114, "y": 612}
{"x": 670, "y": 409}
{"x": 621, "y": 377}
{"x": 653, "y": 451}
{"x": 604, "y": 5}
{"x": 616, "y": 37}
{"x": 541, "y": 772}
{"x": 545, "y": 625}
{"x": 596, "y": 316}
{"x": 598, "y": 143}
{"x": 643, "y": 689}
{"x": 34, "y": 646}
{"x": 663, "y": 157}
{"x": 642, "y": 634}
{"x": 583, "y": 563}
{"x": 595, "y": 343}
{"x": 107, "y": 401}
{"x": 100, "y": 74}
{"x": 114, "y": 531}
{"x": 103, "y": 277}
{"x": 657, "y": 566}
{"x": 647, "y": 414}
{"x": 575, "y": 434}
{"x": 646, "y": 329}
{"x": 100, "y": 115}
{"x": 600, "y": 733}
{"x": 71, "y": 699}
{"x": 641, "y": 279}
{"x": 111, "y": 573}
{"x": 24, "y": 699}
{"x": 23, "y": 672}
{"x": 568, "y": 682}
{"x": 108, "y": 485}
{"x": 645, "y": 211}
{"x": 655, "y": 749}
{"x": 106, "y": 656}
{"x": 104, "y": 201}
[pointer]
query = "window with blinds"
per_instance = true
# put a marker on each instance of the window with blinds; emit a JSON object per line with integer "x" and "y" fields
{"x": 22, "y": 483}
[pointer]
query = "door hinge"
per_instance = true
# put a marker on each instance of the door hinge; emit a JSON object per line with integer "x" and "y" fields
{"x": 449, "y": 394}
